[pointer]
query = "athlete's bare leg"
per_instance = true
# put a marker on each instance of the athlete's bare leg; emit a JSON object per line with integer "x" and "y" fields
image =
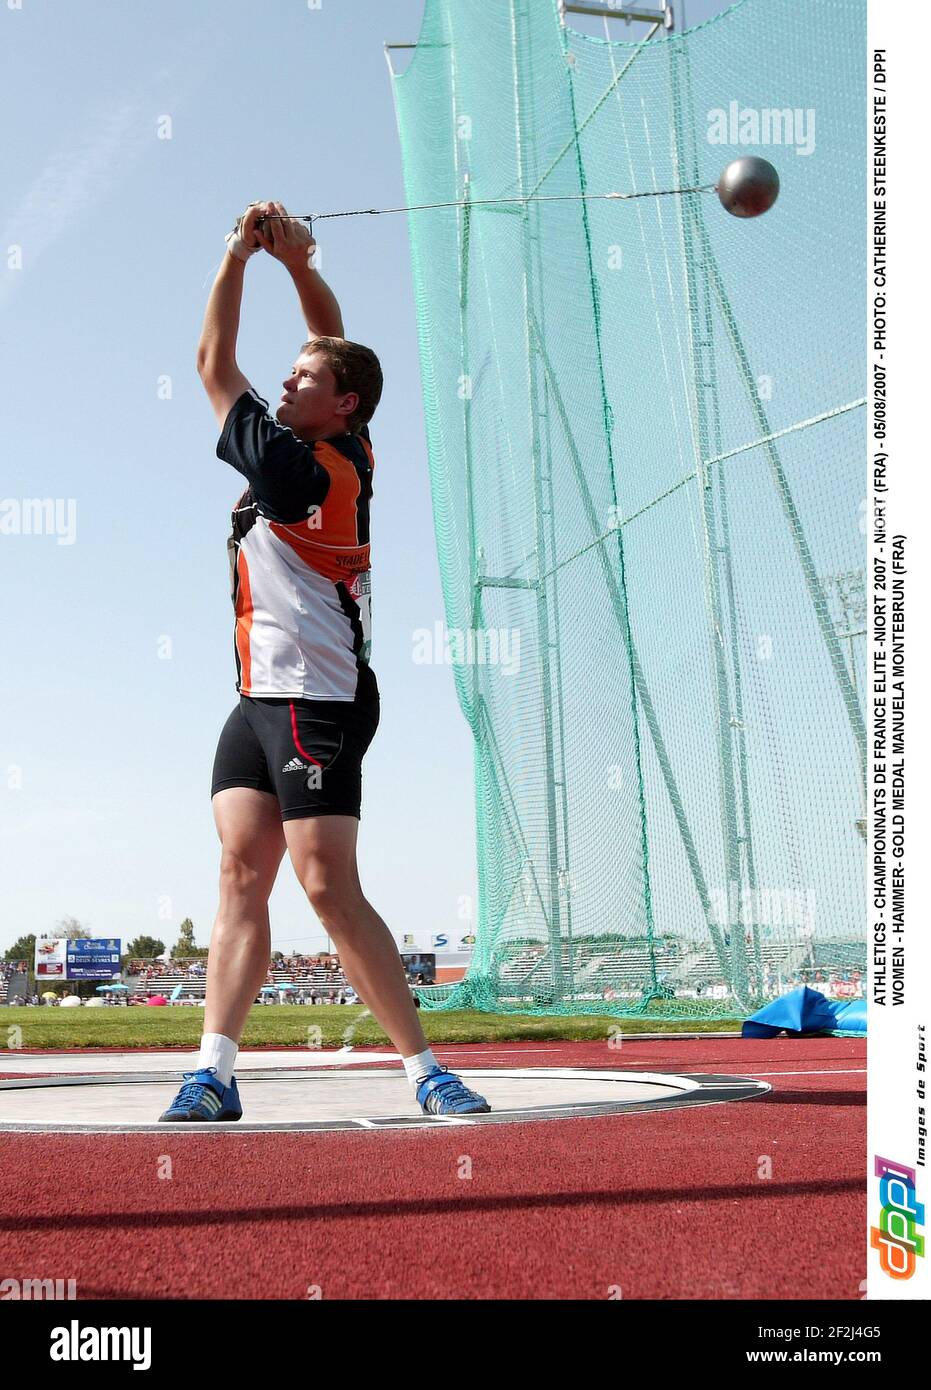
{"x": 323, "y": 852}
{"x": 249, "y": 825}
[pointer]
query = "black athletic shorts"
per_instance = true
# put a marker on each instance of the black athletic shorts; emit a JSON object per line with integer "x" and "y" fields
{"x": 308, "y": 753}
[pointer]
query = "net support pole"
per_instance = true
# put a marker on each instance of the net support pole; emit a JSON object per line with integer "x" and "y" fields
{"x": 698, "y": 412}
{"x": 621, "y": 584}
{"x": 706, "y": 376}
{"x": 553, "y": 579}
{"x": 542, "y": 616}
{"x": 704, "y": 414}
{"x": 464, "y": 229}
{"x": 658, "y": 18}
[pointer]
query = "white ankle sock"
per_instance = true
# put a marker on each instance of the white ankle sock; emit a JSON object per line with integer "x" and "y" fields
{"x": 420, "y": 1066}
{"x": 220, "y": 1052}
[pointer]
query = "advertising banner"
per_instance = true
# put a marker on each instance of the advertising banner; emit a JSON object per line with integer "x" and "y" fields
{"x": 83, "y": 959}
{"x": 50, "y": 959}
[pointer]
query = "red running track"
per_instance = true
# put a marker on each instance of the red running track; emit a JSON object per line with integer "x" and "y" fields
{"x": 663, "y": 1205}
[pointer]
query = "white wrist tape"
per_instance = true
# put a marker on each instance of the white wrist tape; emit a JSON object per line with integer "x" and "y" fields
{"x": 237, "y": 247}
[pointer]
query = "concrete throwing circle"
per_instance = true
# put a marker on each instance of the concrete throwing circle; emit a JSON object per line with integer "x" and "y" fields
{"x": 342, "y": 1091}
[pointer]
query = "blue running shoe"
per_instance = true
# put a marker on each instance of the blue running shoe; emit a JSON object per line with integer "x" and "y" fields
{"x": 444, "y": 1093}
{"x": 203, "y": 1097}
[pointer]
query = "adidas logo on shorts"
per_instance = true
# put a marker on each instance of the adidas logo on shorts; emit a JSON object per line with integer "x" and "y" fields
{"x": 295, "y": 765}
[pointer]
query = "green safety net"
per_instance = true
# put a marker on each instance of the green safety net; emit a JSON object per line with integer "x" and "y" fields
{"x": 646, "y": 435}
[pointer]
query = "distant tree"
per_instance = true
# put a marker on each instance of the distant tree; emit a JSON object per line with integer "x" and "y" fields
{"x": 23, "y": 949}
{"x": 143, "y": 948}
{"x": 72, "y": 929}
{"x": 185, "y": 947}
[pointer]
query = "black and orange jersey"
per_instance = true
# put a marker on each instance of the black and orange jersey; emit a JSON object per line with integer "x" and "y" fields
{"x": 300, "y": 569}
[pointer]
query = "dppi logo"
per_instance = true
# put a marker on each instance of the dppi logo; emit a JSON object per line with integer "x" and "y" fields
{"x": 896, "y": 1237}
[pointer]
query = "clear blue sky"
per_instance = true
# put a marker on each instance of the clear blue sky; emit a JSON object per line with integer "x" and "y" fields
{"x": 118, "y": 671}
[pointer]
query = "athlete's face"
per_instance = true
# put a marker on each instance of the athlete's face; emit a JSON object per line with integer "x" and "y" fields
{"x": 310, "y": 404}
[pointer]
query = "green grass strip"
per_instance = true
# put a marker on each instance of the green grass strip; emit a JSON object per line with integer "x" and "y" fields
{"x": 288, "y": 1025}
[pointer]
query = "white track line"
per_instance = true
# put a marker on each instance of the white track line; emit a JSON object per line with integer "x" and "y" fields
{"x": 497, "y": 1051}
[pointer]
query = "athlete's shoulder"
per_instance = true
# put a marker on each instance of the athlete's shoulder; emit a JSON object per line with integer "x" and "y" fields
{"x": 249, "y": 421}
{"x": 283, "y": 472}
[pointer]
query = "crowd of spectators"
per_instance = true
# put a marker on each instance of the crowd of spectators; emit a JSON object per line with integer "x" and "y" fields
{"x": 9, "y": 968}
{"x": 156, "y": 969}
{"x": 297, "y": 967}
{"x": 310, "y": 994}
{"x": 834, "y": 984}
{"x": 838, "y": 983}
{"x": 294, "y": 979}
{"x": 304, "y": 968}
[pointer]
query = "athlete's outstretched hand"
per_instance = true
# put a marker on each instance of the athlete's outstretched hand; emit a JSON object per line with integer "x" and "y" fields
{"x": 247, "y": 226}
{"x": 284, "y": 237}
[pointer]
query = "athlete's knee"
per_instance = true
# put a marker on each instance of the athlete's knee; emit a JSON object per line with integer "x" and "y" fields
{"x": 334, "y": 899}
{"x": 242, "y": 876}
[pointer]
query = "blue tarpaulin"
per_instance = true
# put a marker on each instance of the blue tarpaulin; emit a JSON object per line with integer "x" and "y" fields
{"x": 805, "y": 1011}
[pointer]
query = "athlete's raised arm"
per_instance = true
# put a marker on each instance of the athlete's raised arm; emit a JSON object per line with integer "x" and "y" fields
{"x": 288, "y": 240}
{"x": 216, "y": 351}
